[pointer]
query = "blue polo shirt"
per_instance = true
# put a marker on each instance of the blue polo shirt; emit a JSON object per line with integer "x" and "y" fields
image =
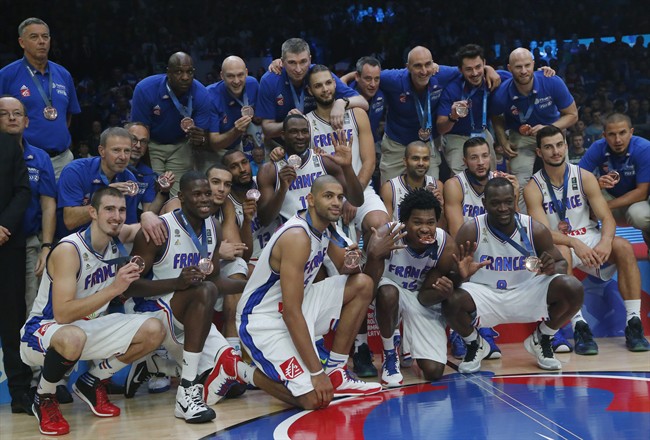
{"x": 51, "y": 136}
{"x": 146, "y": 178}
{"x": 41, "y": 182}
{"x": 78, "y": 182}
{"x": 633, "y": 166}
{"x": 548, "y": 97}
{"x": 375, "y": 112}
{"x": 458, "y": 90}
{"x": 275, "y": 98}
{"x": 152, "y": 105}
{"x": 402, "y": 122}
{"x": 227, "y": 108}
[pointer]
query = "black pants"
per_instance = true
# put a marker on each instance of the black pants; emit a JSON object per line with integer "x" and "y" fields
{"x": 12, "y": 318}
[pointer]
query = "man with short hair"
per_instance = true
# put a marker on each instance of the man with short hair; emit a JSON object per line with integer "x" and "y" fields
{"x": 366, "y": 81}
{"x": 68, "y": 321}
{"x": 577, "y": 149}
{"x": 562, "y": 197}
{"x": 47, "y": 91}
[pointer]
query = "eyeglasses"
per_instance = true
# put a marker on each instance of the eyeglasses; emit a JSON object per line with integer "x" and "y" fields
{"x": 142, "y": 142}
{"x": 15, "y": 114}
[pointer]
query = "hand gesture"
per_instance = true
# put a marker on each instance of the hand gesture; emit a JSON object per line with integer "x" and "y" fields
{"x": 287, "y": 175}
{"x": 384, "y": 241}
{"x": 125, "y": 276}
{"x": 342, "y": 149}
{"x": 548, "y": 71}
{"x": 437, "y": 193}
{"x": 465, "y": 260}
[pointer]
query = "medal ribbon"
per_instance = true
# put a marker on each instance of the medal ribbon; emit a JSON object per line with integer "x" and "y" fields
{"x": 39, "y": 86}
{"x": 184, "y": 110}
{"x": 610, "y": 165}
{"x": 243, "y": 103}
{"x": 528, "y": 250}
{"x": 424, "y": 118}
{"x": 298, "y": 101}
{"x": 124, "y": 255}
{"x": 531, "y": 106}
{"x": 201, "y": 246}
{"x": 334, "y": 236}
{"x": 559, "y": 205}
{"x": 486, "y": 92}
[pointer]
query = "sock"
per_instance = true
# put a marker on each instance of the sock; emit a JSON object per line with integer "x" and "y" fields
{"x": 577, "y": 318}
{"x": 54, "y": 368}
{"x": 336, "y": 360}
{"x": 546, "y": 330}
{"x": 471, "y": 338}
{"x": 45, "y": 386}
{"x": 246, "y": 372}
{"x": 235, "y": 343}
{"x": 633, "y": 308}
{"x": 388, "y": 343}
{"x": 106, "y": 368}
{"x": 190, "y": 366}
{"x": 359, "y": 340}
{"x": 163, "y": 365}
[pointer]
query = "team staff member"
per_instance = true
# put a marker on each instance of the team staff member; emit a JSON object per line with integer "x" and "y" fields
{"x": 47, "y": 91}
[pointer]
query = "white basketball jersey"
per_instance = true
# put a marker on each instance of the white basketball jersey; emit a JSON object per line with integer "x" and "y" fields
{"x": 322, "y": 134}
{"x": 577, "y": 205}
{"x": 507, "y": 269}
{"x": 472, "y": 201}
{"x": 408, "y": 269}
{"x": 401, "y": 189}
{"x": 296, "y": 197}
{"x": 263, "y": 293}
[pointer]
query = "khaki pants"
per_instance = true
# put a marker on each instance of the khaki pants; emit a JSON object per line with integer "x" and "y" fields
{"x": 60, "y": 161}
{"x": 176, "y": 158}
{"x": 522, "y": 165}
{"x": 31, "y": 280}
{"x": 637, "y": 214}
{"x": 454, "y": 151}
{"x": 392, "y": 159}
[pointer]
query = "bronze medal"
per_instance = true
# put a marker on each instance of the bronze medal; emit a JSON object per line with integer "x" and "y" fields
{"x": 525, "y": 129}
{"x": 50, "y": 113}
{"x": 186, "y": 124}
{"x": 533, "y": 264}
{"x": 205, "y": 266}
{"x": 247, "y": 110}
{"x": 424, "y": 134}
{"x": 563, "y": 226}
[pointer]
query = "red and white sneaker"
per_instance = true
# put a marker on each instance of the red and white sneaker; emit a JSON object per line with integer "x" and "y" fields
{"x": 346, "y": 385}
{"x": 47, "y": 412}
{"x": 222, "y": 377}
{"x": 93, "y": 391}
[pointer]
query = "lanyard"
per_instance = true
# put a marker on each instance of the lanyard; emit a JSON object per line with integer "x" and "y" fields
{"x": 39, "y": 86}
{"x": 424, "y": 117}
{"x": 610, "y": 165}
{"x": 201, "y": 246}
{"x": 184, "y": 110}
{"x": 298, "y": 101}
{"x": 485, "y": 98}
{"x": 243, "y": 103}
{"x": 560, "y": 206}
{"x": 116, "y": 241}
{"x": 528, "y": 250}
{"x": 531, "y": 106}
{"x": 334, "y": 236}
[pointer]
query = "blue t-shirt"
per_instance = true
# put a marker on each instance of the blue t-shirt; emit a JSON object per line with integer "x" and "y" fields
{"x": 458, "y": 90}
{"x": 402, "y": 120}
{"x": 375, "y": 112}
{"x": 78, "y": 182}
{"x": 153, "y": 106}
{"x": 41, "y": 182}
{"x": 146, "y": 178}
{"x": 228, "y": 108}
{"x": 51, "y": 136}
{"x": 275, "y": 98}
{"x": 633, "y": 166}
{"x": 549, "y": 96}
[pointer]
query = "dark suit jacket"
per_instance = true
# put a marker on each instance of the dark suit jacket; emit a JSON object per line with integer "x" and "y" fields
{"x": 14, "y": 190}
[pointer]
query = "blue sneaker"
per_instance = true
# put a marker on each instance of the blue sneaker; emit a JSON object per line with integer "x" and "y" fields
{"x": 634, "y": 339}
{"x": 458, "y": 348}
{"x": 323, "y": 353}
{"x": 584, "y": 339}
{"x": 489, "y": 334}
{"x": 560, "y": 344}
{"x": 391, "y": 375}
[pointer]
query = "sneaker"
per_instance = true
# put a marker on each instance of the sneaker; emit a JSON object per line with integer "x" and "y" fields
{"x": 323, "y": 353}
{"x": 390, "y": 373}
{"x": 560, "y": 344}
{"x": 539, "y": 345}
{"x": 476, "y": 351}
{"x": 159, "y": 384}
{"x": 47, "y": 412}
{"x": 190, "y": 405}
{"x": 346, "y": 385}
{"x": 585, "y": 344}
{"x": 634, "y": 339}
{"x": 138, "y": 374}
{"x": 22, "y": 403}
{"x": 93, "y": 391}
{"x": 458, "y": 348}
{"x": 362, "y": 360}
{"x": 488, "y": 334}
{"x": 63, "y": 395}
{"x": 222, "y": 377}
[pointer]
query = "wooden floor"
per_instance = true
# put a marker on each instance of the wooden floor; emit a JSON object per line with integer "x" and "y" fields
{"x": 151, "y": 416}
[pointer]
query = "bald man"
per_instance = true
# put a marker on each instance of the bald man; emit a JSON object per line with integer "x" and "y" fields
{"x": 234, "y": 99}
{"x": 525, "y": 104}
{"x": 177, "y": 109}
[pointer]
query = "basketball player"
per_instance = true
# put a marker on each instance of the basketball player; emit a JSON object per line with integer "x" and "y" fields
{"x": 561, "y": 197}
{"x": 68, "y": 321}
{"x": 515, "y": 277}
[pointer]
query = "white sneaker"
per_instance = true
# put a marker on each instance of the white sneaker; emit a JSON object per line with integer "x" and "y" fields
{"x": 476, "y": 352}
{"x": 159, "y": 384}
{"x": 346, "y": 385}
{"x": 390, "y": 372}
{"x": 540, "y": 346}
{"x": 190, "y": 405}
{"x": 222, "y": 377}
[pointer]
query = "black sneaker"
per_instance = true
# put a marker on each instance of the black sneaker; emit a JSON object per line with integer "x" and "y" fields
{"x": 138, "y": 374}
{"x": 22, "y": 403}
{"x": 362, "y": 360}
{"x": 634, "y": 339}
{"x": 93, "y": 391}
{"x": 584, "y": 339}
{"x": 63, "y": 395}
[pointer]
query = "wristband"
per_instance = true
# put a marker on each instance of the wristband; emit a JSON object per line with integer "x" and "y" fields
{"x": 347, "y": 102}
{"x": 47, "y": 245}
{"x": 452, "y": 119}
{"x": 318, "y": 373}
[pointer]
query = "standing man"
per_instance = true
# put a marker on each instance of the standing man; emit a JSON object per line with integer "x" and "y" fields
{"x": 177, "y": 109}
{"x": 47, "y": 91}
{"x": 366, "y": 82}
{"x": 622, "y": 161}
{"x": 14, "y": 200}
{"x": 525, "y": 104}
{"x": 562, "y": 196}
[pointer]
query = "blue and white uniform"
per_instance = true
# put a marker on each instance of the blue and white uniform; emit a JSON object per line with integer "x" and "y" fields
{"x": 295, "y": 198}
{"x": 472, "y": 201}
{"x": 401, "y": 189}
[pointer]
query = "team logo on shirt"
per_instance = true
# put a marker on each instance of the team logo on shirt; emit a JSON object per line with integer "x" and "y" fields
{"x": 291, "y": 368}
{"x": 514, "y": 110}
{"x": 402, "y": 98}
{"x": 42, "y": 329}
{"x": 279, "y": 100}
{"x": 177, "y": 233}
{"x": 574, "y": 183}
{"x": 156, "y": 110}
{"x": 24, "y": 91}
{"x": 225, "y": 119}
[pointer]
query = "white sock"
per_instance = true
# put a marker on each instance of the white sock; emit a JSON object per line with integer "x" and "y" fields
{"x": 577, "y": 318}
{"x": 546, "y": 330}
{"x": 633, "y": 308}
{"x": 190, "y": 365}
{"x": 246, "y": 372}
{"x": 235, "y": 343}
{"x": 336, "y": 360}
{"x": 471, "y": 338}
{"x": 388, "y": 343}
{"x": 359, "y": 340}
{"x": 45, "y": 387}
{"x": 106, "y": 368}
